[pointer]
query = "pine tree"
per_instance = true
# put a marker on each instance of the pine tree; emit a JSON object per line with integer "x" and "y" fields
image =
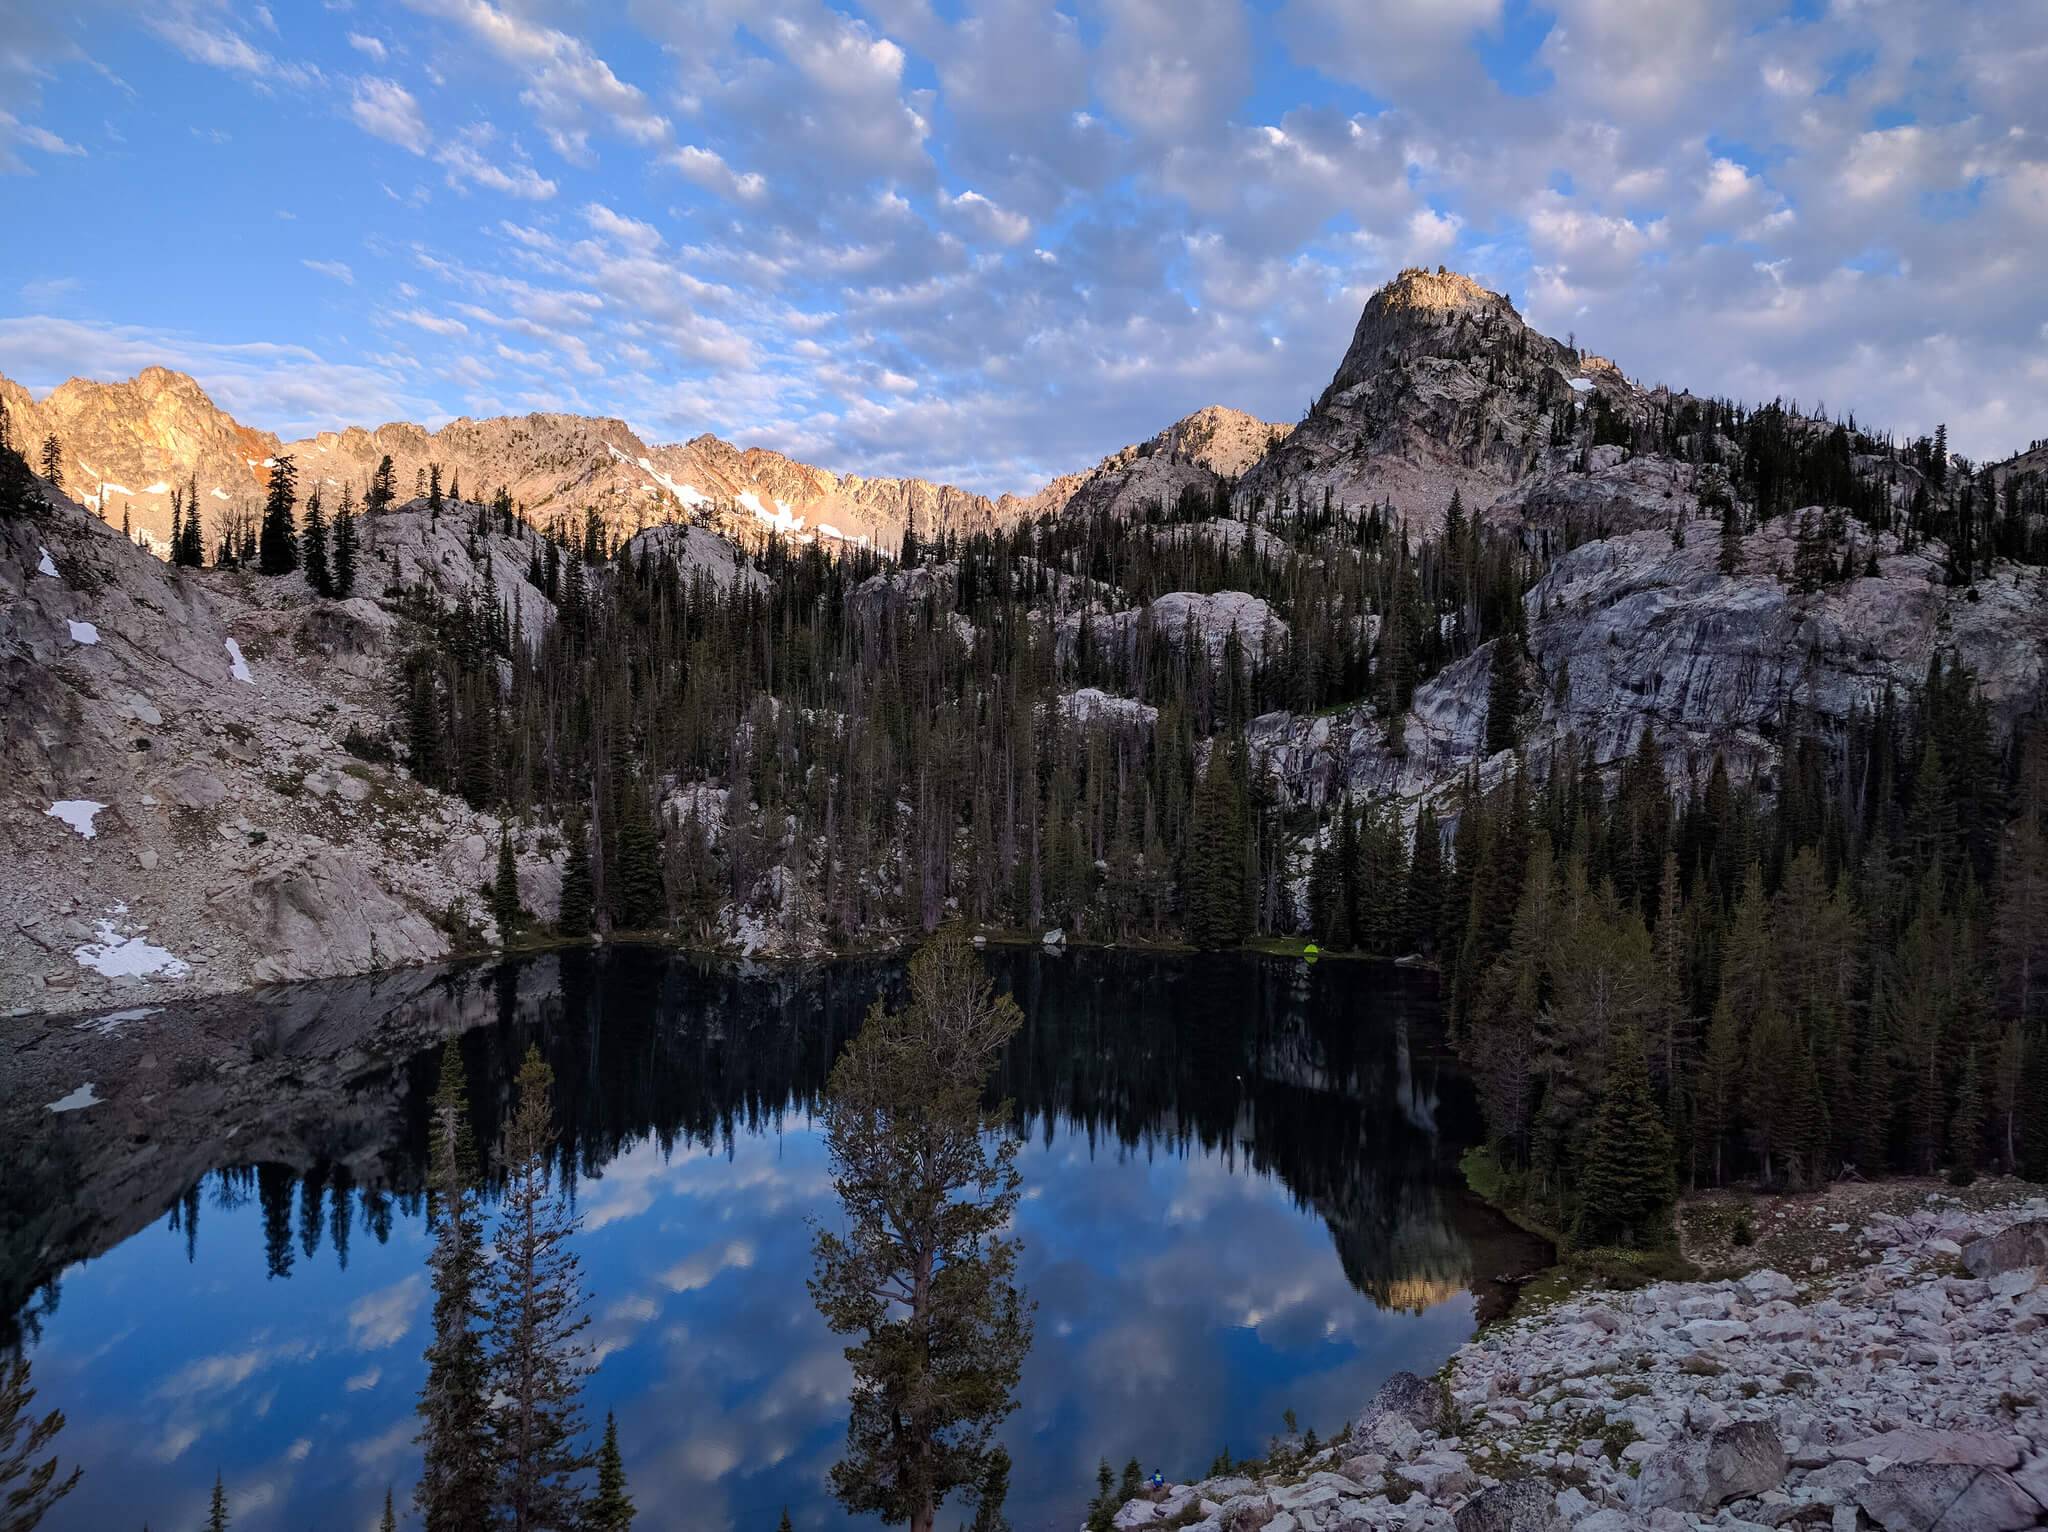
{"x": 313, "y": 546}
{"x": 217, "y": 1507}
{"x": 190, "y": 551}
{"x": 53, "y": 461}
{"x": 378, "y": 497}
{"x": 538, "y": 1363}
{"x": 457, "y": 1484}
{"x": 577, "y": 912}
{"x": 1215, "y": 891}
{"x": 277, "y": 546}
{"x": 639, "y": 899}
{"x": 990, "y": 1494}
{"x": 785, "y": 1525}
{"x": 388, "y": 1522}
{"x": 1426, "y": 882}
{"x": 505, "y": 890}
{"x": 611, "y": 1510}
{"x": 344, "y": 573}
{"x": 924, "y": 1278}
{"x": 434, "y": 489}
{"x": 1626, "y": 1185}
{"x": 1506, "y": 691}
{"x": 27, "y": 1489}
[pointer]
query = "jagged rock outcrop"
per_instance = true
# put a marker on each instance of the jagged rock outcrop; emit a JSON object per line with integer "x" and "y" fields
{"x": 1200, "y": 453}
{"x": 1443, "y": 388}
{"x": 128, "y": 445}
{"x": 182, "y": 797}
{"x": 1632, "y": 631}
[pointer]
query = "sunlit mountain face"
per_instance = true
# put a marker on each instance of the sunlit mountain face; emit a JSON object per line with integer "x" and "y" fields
{"x": 1240, "y": 1198}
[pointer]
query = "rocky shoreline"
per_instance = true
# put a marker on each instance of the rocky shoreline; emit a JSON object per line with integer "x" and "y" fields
{"x": 1896, "y": 1383}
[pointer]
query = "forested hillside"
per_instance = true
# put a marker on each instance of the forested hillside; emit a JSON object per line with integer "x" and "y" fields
{"x": 1699, "y": 743}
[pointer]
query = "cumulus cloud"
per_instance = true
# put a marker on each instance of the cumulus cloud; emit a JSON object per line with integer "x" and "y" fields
{"x": 385, "y": 109}
{"x": 381, "y": 1319}
{"x": 708, "y": 169}
{"x": 467, "y": 163}
{"x": 841, "y": 229}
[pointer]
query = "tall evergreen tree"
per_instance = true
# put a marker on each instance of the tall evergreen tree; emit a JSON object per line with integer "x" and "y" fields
{"x": 217, "y": 1507}
{"x": 457, "y": 1487}
{"x": 577, "y": 909}
{"x": 313, "y": 546}
{"x": 28, "y": 1489}
{"x": 505, "y": 890}
{"x": 1506, "y": 693}
{"x": 611, "y": 1508}
{"x": 343, "y": 577}
{"x": 277, "y": 543}
{"x": 380, "y": 494}
{"x": 536, "y": 1313}
{"x": 53, "y": 461}
{"x": 189, "y": 550}
{"x": 1216, "y": 892}
{"x": 924, "y": 1279}
{"x": 1627, "y": 1184}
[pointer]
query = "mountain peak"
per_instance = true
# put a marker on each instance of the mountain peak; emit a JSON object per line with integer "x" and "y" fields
{"x": 1419, "y": 313}
{"x": 1415, "y": 287}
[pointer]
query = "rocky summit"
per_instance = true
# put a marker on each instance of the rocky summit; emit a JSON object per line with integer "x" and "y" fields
{"x": 1898, "y": 1385}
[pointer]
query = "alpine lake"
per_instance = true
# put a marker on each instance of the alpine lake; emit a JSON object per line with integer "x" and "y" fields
{"x": 1241, "y": 1198}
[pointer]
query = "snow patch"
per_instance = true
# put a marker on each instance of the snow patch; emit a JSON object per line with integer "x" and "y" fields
{"x": 77, "y": 1101}
{"x": 1582, "y": 385}
{"x": 117, "y": 489}
{"x": 689, "y": 494}
{"x": 238, "y": 666}
{"x": 77, "y": 813}
{"x": 84, "y": 632}
{"x": 114, "y": 1021}
{"x": 780, "y": 517}
{"x": 119, "y": 955}
{"x": 47, "y": 566}
{"x": 218, "y": 493}
{"x": 82, "y": 463}
{"x": 158, "y": 488}
{"x": 858, "y": 539}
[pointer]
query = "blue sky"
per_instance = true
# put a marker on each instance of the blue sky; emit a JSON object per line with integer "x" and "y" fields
{"x": 991, "y": 240}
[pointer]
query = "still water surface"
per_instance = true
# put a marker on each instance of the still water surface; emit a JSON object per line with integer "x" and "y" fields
{"x": 1240, "y": 1197}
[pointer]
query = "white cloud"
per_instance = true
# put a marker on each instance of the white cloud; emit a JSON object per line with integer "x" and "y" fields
{"x": 464, "y": 162}
{"x": 563, "y": 77}
{"x": 12, "y": 127}
{"x": 338, "y": 270}
{"x": 204, "y": 37}
{"x": 985, "y": 220}
{"x": 708, "y": 169}
{"x": 433, "y": 324}
{"x": 370, "y": 47}
{"x": 381, "y": 1319}
{"x": 385, "y": 109}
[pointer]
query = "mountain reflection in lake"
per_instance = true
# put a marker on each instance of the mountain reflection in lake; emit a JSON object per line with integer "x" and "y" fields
{"x": 1240, "y": 1197}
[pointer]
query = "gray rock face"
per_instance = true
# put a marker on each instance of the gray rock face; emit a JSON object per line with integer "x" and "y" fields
{"x": 240, "y": 841}
{"x": 1916, "y": 1444}
{"x": 1519, "y": 1505}
{"x": 1745, "y": 1458}
{"x": 1404, "y": 1396}
{"x": 1923, "y": 1497}
{"x": 2021, "y": 1246}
